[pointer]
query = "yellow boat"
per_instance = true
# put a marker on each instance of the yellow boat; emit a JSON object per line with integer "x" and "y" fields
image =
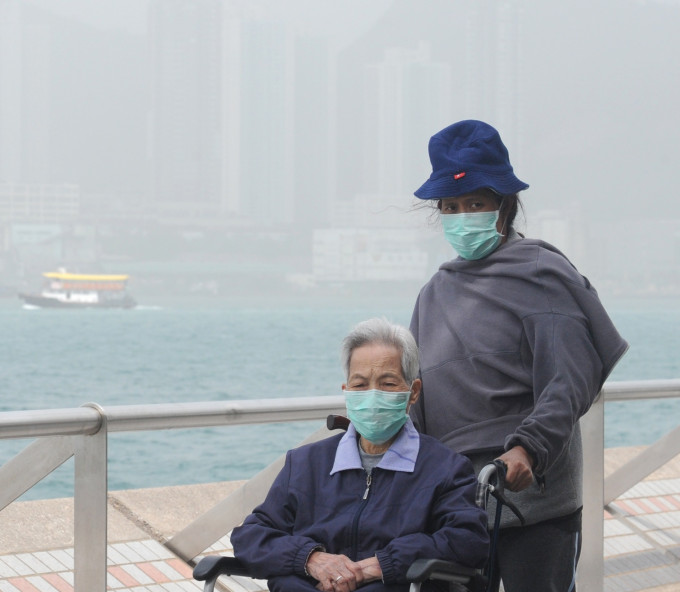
{"x": 62, "y": 289}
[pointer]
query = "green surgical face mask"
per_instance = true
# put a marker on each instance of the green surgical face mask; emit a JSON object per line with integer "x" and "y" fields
{"x": 473, "y": 236}
{"x": 377, "y": 415}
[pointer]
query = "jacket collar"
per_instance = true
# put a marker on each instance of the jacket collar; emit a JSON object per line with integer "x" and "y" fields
{"x": 400, "y": 456}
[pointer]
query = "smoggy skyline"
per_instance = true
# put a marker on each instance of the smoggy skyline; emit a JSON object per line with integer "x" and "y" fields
{"x": 258, "y": 118}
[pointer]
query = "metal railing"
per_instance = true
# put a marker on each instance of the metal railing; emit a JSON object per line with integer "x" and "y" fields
{"x": 82, "y": 433}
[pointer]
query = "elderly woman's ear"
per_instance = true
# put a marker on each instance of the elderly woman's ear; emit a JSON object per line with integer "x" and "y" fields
{"x": 415, "y": 391}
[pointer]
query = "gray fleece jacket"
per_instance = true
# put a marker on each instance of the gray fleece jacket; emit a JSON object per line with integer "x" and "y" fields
{"x": 514, "y": 348}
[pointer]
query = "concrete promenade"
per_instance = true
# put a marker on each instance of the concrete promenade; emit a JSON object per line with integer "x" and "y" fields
{"x": 641, "y": 546}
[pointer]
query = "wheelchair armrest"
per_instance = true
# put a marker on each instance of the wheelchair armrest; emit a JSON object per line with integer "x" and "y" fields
{"x": 436, "y": 569}
{"x": 212, "y": 566}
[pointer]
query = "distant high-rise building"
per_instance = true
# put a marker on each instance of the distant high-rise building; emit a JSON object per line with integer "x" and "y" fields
{"x": 407, "y": 98}
{"x": 493, "y": 67}
{"x": 312, "y": 128}
{"x": 265, "y": 121}
{"x": 10, "y": 89}
{"x": 187, "y": 107}
{"x": 24, "y": 96}
{"x": 233, "y": 138}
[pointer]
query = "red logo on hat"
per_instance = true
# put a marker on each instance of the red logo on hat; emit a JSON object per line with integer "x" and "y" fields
{"x": 459, "y": 175}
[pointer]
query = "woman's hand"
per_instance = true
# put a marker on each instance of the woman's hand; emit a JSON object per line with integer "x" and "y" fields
{"x": 370, "y": 567}
{"x": 519, "y": 474}
{"x": 335, "y": 573}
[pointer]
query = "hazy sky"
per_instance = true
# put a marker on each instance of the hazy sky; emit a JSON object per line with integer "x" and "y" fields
{"x": 342, "y": 20}
{"x": 592, "y": 96}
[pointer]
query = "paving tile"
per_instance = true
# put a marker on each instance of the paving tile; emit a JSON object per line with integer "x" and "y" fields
{"x": 167, "y": 587}
{"x": 153, "y": 572}
{"x": 674, "y": 503}
{"x": 113, "y": 582}
{"x": 670, "y": 575}
{"x": 23, "y": 585}
{"x": 66, "y": 559}
{"x": 625, "y": 544}
{"x": 49, "y": 561}
{"x": 145, "y": 551}
{"x": 616, "y": 528}
{"x": 641, "y": 523}
{"x": 33, "y": 562}
{"x": 633, "y": 506}
{"x": 138, "y": 574}
{"x": 190, "y": 586}
{"x": 238, "y": 584}
{"x": 19, "y": 567}
{"x": 114, "y": 556}
{"x": 173, "y": 587}
{"x": 665, "y": 520}
{"x": 181, "y": 567}
{"x": 58, "y": 582}
{"x": 128, "y": 552}
{"x": 5, "y": 586}
{"x": 158, "y": 550}
{"x": 167, "y": 570}
{"x": 122, "y": 576}
{"x": 662, "y": 504}
{"x": 6, "y": 570}
{"x": 253, "y": 585}
{"x": 41, "y": 584}
{"x": 620, "y": 584}
{"x": 660, "y": 538}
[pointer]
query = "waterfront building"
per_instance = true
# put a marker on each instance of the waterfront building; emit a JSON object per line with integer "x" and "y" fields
{"x": 368, "y": 255}
{"x": 39, "y": 203}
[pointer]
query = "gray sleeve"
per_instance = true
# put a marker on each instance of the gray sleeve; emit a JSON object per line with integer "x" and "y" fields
{"x": 566, "y": 372}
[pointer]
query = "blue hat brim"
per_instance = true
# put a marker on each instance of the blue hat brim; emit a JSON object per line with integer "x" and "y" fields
{"x": 441, "y": 185}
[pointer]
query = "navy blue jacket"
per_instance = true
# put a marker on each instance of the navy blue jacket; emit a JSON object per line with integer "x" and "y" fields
{"x": 396, "y": 515}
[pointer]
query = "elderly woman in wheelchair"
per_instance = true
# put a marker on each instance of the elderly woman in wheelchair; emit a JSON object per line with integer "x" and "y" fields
{"x": 357, "y": 509}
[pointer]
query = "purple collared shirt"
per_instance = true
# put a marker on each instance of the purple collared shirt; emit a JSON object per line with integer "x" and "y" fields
{"x": 400, "y": 456}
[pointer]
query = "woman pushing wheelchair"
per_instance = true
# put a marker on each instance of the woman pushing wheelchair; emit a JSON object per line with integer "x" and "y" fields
{"x": 355, "y": 510}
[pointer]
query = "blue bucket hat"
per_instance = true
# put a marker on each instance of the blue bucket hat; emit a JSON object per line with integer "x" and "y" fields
{"x": 467, "y": 156}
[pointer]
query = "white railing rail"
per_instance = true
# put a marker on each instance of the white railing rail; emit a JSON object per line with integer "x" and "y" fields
{"x": 82, "y": 433}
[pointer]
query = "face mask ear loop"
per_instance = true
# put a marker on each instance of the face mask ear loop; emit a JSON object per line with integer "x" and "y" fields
{"x": 505, "y": 219}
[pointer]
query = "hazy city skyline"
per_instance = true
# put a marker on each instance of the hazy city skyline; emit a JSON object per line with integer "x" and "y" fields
{"x": 154, "y": 121}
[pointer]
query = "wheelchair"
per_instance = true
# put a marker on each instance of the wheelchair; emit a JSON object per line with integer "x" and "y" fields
{"x": 491, "y": 482}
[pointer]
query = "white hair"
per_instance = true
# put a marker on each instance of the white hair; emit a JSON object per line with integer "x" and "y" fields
{"x": 380, "y": 330}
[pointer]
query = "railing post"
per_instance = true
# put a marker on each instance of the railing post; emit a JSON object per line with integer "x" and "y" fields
{"x": 90, "y": 509}
{"x": 591, "y": 564}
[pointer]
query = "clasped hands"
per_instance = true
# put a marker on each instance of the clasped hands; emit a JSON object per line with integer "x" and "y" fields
{"x": 338, "y": 573}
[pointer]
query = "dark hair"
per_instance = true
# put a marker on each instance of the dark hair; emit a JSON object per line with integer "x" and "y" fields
{"x": 508, "y": 206}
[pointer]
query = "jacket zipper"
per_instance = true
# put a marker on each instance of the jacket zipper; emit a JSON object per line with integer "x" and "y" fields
{"x": 355, "y": 522}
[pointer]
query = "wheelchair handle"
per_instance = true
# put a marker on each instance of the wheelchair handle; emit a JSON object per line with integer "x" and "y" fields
{"x": 491, "y": 478}
{"x": 337, "y": 422}
{"x": 491, "y": 481}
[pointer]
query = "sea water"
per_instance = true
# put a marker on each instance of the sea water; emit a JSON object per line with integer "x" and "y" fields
{"x": 188, "y": 351}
